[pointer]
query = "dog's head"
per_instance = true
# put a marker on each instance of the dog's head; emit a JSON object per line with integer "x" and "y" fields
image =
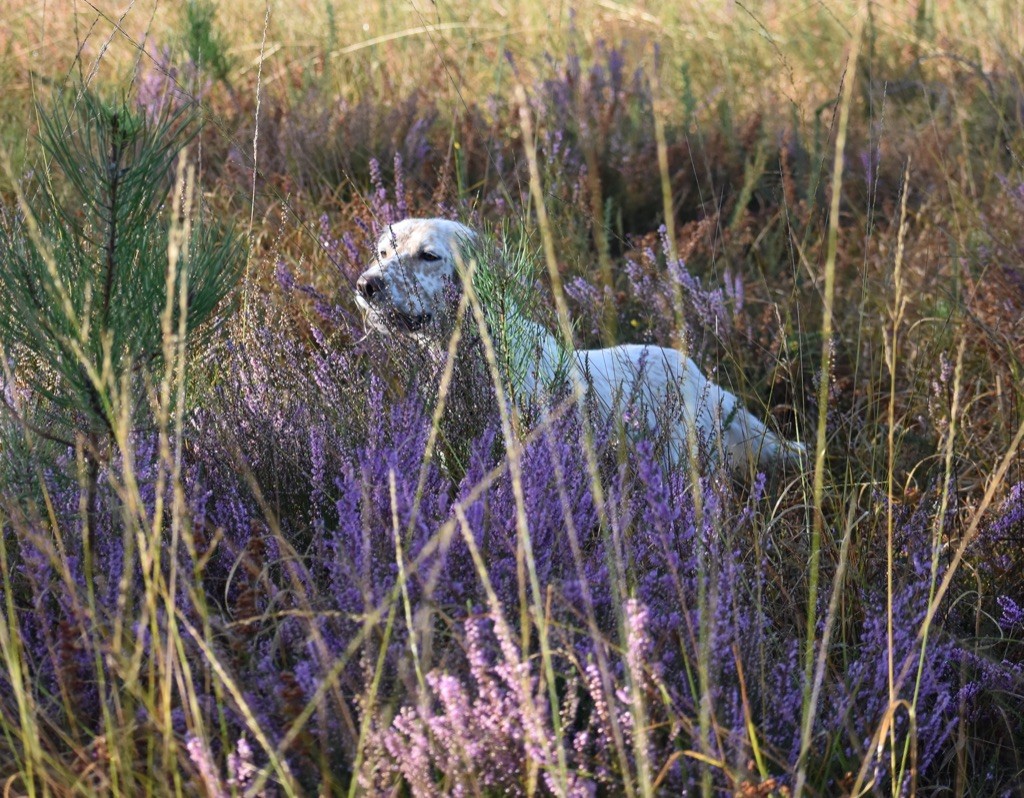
{"x": 414, "y": 274}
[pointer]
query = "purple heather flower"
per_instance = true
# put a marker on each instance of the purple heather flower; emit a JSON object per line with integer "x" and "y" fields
{"x": 1012, "y": 613}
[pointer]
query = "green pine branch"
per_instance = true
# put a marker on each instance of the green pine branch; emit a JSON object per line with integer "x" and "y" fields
{"x": 84, "y": 264}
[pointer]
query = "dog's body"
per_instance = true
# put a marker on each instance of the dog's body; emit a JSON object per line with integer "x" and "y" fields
{"x": 653, "y": 389}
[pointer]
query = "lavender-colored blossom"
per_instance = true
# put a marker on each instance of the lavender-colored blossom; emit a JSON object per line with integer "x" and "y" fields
{"x": 1012, "y": 613}
{"x": 241, "y": 766}
{"x": 208, "y": 773}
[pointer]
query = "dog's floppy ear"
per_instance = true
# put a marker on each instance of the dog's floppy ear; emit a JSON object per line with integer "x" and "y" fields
{"x": 467, "y": 247}
{"x": 467, "y": 240}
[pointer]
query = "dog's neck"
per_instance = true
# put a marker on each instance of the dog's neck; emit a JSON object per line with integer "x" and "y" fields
{"x": 532, "y": 363}
{"x": 536, "y": 364}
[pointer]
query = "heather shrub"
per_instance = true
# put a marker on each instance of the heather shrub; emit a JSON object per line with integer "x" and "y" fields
{"x": 299, "y": 557}
{"x": 673, "y": 559}
{"x": 306, "y": 538}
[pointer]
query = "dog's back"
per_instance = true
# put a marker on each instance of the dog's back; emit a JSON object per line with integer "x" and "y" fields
{"x": 669, "y": 389}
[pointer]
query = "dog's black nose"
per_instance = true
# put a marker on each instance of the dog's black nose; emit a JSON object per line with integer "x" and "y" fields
{"x": 368, "y": 286}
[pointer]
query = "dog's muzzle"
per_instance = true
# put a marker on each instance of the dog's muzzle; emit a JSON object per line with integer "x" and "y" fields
{"x": 370, "y": 287}
{"x": 373, "y": 298}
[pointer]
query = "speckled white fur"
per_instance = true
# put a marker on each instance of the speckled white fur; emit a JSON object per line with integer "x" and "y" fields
{"x": 646, "y": 386}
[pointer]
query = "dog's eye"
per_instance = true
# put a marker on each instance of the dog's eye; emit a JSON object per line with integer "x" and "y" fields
{"x": 383, "y": 253}
{"x": 430, "y": 257}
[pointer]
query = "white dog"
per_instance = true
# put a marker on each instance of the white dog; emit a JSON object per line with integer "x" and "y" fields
{"x": 409, "y": 290}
